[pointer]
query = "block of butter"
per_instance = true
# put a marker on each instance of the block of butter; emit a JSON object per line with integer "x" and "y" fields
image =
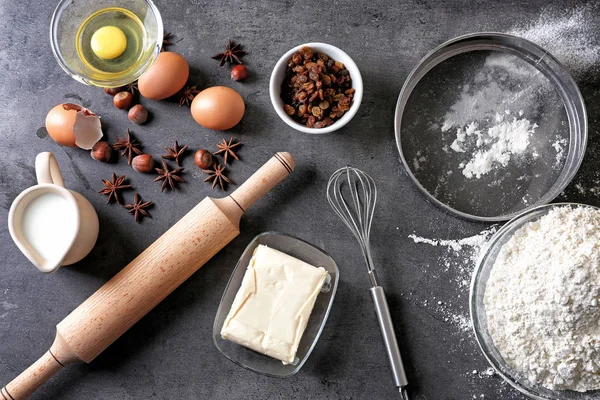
{"x": 271, "y": 309}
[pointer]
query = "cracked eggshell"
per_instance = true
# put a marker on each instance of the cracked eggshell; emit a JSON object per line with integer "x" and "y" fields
{"x": 73, "y": 125}
{"x": 87, "y": 129}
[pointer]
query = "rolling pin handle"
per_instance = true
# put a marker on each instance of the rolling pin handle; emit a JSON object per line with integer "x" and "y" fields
{"x": 23, "y": 386}
{"x": 32, "y": 378}
{"x": 263, "y": 180}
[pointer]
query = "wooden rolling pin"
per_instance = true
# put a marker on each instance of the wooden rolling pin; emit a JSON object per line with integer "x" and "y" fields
{"x": 148, "y": 279}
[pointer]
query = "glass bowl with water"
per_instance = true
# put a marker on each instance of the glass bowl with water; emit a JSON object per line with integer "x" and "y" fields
{"x": 74, "y": 23}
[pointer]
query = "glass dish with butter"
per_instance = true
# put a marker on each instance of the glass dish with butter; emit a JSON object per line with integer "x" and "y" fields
{"x": 275, "y": 305}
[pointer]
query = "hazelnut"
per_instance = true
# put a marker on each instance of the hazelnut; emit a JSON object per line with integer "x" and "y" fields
{"x": 123, "y": 100}
{"x": 239, "y": 73}
{"x": 138, "y": 114}
{"x": 113, "y": 91}
{"x": 203, "y": 159}
{"x": 102, "y": 151}
{"x": 143, "y": 163}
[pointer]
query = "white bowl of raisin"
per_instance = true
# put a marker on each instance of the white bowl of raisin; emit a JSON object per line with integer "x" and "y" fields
{"x": 316, "y": 88}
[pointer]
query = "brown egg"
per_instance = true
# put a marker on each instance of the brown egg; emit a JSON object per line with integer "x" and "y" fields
{"x": 218, "y": 108}
{"x": 165, "y": 77}
{"x": 59, "y": 124}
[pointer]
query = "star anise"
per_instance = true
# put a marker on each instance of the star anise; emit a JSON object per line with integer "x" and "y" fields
{"x": 226, "y": 149}
{"x": 217, "y": 176}
{"x": 187, "y": 95}
{"x": 132, "y": 87}
{"x": 138, "y": 208}
{"x": 169, "y": 178}
{"x": 128, "y": 146}
{"x": 175, "y": 152}
{"x": 232, "y": 54}
{"x": 166, "y": 42}
{"x": 112, "y": 188}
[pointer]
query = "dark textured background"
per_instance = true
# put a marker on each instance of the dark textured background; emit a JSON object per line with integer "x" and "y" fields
{"x": 170, "y": 354}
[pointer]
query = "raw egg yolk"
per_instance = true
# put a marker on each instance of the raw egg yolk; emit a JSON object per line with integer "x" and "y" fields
{"x": 109, "y": 42}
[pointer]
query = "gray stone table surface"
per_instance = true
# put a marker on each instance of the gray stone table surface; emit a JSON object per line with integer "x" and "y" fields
{"x": 170, "y": 353}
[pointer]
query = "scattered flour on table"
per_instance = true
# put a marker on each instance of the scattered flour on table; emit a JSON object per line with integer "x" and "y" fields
{"x": 569, "y": 36}
{"x": 459, "y": 261}
{"x": 542, "y": 300}
{"x": 456, "y": 245}
{"x": 591, "y": 187}
{"x": 486, "y": 373}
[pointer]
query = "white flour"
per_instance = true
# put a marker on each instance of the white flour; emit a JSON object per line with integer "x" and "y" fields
{"x": 494, "y": 147}
{"x": 457, "y": 245}
{"x": 458, "y": 261}
{"x": 503, "y": 82}
{"x": 542, "y": 300}
{"x": 560, "y": 144}
{"x": 568, "y": 36}
{"x": 418, "y": 160}
{"x": 487, "y": 134}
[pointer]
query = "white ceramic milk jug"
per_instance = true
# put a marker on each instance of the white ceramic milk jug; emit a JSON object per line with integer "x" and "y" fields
{"x": 50, "y": 224}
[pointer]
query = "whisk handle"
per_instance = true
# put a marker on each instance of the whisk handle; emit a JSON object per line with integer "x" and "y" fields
{"x": 389, "y": 336}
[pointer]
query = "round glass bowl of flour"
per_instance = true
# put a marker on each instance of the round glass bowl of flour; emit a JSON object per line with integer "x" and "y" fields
{"x": 489, "y": 125}
{"x": 527, "y": 227}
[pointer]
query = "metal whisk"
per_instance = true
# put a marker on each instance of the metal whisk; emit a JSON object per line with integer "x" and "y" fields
{"x": 353, "y": 194}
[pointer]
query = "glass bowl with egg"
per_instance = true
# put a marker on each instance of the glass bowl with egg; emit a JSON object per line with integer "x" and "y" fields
{"x": 303, "y": 253}
{"x": 282, "y": 74}
{"x": 106, "y": 43}
{"x": 490, "y": 254}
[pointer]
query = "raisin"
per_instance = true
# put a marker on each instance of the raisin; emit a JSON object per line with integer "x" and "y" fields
{"x": 306, "y": 52}
{"x": 289, "y": 110}
{"x": 309, "y": 87}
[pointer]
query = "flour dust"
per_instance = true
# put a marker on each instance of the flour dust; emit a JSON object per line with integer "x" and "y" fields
{"x": 569, "y": 35}
{"x": 458, "y": 261}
